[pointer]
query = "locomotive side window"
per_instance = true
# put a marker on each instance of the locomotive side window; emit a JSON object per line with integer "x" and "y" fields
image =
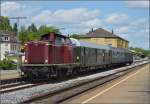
{"x": 45, "y": 37}
{"x": 59, "y": 40}
{"x": 67, "y": 41}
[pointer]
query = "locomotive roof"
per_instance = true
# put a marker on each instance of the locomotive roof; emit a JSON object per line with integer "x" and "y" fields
{"x": 90, "y": 45}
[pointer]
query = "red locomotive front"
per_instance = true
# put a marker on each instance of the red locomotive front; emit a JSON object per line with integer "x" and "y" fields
{"x": 51, "y": 49}
{"x": 35, "y": 52}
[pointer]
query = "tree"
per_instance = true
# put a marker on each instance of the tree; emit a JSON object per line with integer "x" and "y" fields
{"x": 15, "y": 27}
{"x": 32, "y": 28}
{"x": 140, "y": 51}
{"x": 5, "y": 24}
{"x": 76, "y": 36}
{"x": 33, "y": 36}
{"x": 44, "y": 30}
{"x": 23, "y": 35}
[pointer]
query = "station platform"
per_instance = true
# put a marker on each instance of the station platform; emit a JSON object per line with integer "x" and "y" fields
{"x": 133, "y": 88}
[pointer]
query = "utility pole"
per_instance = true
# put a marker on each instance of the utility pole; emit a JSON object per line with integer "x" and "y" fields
{"x": 18, "y": 51}
{"x": 112, "y": 31}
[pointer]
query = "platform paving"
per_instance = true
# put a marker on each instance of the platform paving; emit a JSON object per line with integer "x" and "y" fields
{"x": 130, "y": 89}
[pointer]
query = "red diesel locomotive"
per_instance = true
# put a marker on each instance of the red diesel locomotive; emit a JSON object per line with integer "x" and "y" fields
{"x": 51, "y": 49}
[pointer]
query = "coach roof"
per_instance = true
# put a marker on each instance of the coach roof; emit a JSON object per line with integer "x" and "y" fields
{"x": 88, "y": 44}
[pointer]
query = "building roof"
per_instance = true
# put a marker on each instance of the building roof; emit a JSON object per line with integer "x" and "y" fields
{"x": 12, "y": 36}
{"x": 100, "y": 33}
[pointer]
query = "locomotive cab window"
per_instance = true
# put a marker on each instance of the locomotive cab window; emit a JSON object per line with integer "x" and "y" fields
{"x": 59, "y": 40}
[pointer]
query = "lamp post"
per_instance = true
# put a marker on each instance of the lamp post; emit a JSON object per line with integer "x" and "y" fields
{"x": 18, "y": 51}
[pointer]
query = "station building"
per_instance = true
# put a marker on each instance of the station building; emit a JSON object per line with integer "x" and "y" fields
{"x": 8, "y": 43}
{"x": 101, "y": 36}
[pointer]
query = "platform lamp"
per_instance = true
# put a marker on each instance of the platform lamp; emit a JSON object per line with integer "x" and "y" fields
{"x": 18, "y": 18}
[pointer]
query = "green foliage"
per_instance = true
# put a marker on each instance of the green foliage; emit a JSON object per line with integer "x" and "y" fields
{"x": 148, "y": 55}
{"x": 43, "y": 29}
{"x": 76, "y": 36}
{"x": 5, "y": 24}
{"x": 33, "y": 36}
{"x": 15, "y": 28}
{"x": 23, "y": 35}
{"x": 7, "y": 64}
{"x": 32, "y": 28}
{"x": 145, "y": 53}
{"x": 32, "y": 33}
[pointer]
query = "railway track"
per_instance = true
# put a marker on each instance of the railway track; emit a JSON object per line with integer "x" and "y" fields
{"x": 11, "y": 85}
{"x": 7, "y": 88}
{"x": 16, "y": 87}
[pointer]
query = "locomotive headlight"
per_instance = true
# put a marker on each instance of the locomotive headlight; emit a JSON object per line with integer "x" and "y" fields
{"x": 25, "y": 61}
{"x": 77, "y": 57}
{"x": 46, "y": 61}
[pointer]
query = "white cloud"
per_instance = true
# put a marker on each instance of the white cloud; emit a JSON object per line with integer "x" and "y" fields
{"x": 138, "y": 28}
{"x": 137, "y": 32}
{"x": 43, "y": 17}
{"x": 92, "y": 23}
{"x": 75, "y": 15}
{"x": 122, "y": 30}
{"x": 75, "y": 20}
{"x": 115, "y": 18}
{"x": 12, "y": 9}
{"x": 138, "y": 4}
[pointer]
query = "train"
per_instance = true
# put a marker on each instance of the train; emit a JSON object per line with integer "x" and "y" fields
{"x": 56, "y": 55}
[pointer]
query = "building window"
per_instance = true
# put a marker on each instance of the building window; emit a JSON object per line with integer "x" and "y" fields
{"x": 6, "y": 38}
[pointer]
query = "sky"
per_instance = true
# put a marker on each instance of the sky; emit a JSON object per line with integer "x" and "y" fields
{"x": 128, "y": 19}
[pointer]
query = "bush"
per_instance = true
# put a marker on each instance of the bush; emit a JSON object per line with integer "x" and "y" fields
{"x": 7, "y": 65}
